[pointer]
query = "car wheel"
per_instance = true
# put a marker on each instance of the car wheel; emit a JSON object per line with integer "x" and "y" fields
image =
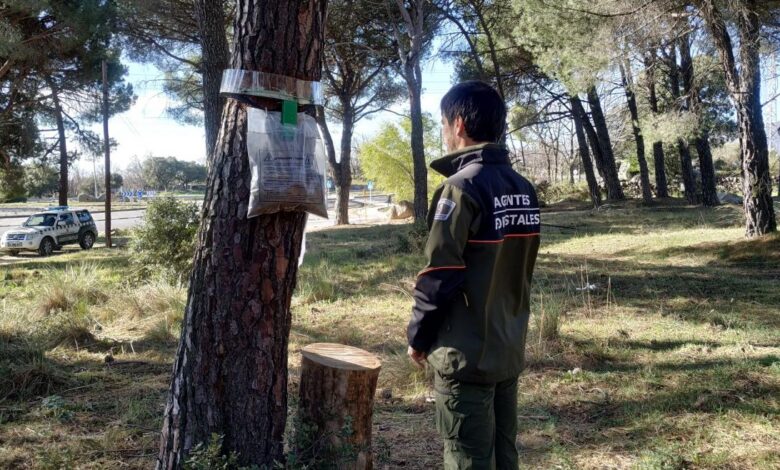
{"x": 46, "y": 247}
{"x": 86, "y": 240}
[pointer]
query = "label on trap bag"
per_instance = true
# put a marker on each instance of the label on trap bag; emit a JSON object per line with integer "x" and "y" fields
{"x": 288, "y": 164}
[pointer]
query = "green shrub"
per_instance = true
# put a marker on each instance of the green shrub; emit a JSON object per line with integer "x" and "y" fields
{"x": 12, "y": 184}
{"x": 412, "y": 240}
{"x": 165, "y": 243}
{"x": 210, "y": 456}
{"x": 552, "y": 193}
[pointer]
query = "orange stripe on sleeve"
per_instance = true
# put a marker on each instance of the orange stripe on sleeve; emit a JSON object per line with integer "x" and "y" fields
{"x": 517, "y": 235}
{"x": 439, "y": 268}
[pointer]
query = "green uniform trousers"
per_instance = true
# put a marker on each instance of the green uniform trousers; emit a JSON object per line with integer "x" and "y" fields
{"x": 478, "y": 423}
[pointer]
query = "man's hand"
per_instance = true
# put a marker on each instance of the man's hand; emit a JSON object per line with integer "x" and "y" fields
{"x": 417, "y": 356}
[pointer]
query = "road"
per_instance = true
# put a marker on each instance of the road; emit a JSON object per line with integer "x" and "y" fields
{"x": 362, "y": 212}
{"x": 121, "y": 220}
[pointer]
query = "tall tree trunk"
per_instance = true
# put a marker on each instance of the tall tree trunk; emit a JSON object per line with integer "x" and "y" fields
{"x": 230, "y": 372}
{"x": 644, "y": 174}
{"x": 593, "y": 139}
{"x": 572, "y": 160}
{"x": 63, "y": 187}
{"x": 587, "y": 166}
{"x": 709, "y": 194}
{"x": 686, "y": 165}
{"x": 745, "y": 89}
{"x": 549, "y": 166}
{"x": 330, "y": 149}
{"x": 522, "y": 153}
{"x": 686, "y": 168}
{"x": 661, "y": 186}
{"x": 215, "y": 55}
{"x": 413, "y": 76}
{"x": 611, "y": 180}
{"x": 709, "y": 191}
{"x": 344, "y": 176}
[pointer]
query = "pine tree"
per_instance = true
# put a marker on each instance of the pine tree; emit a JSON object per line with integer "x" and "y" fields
{"x": 230, "y": 372}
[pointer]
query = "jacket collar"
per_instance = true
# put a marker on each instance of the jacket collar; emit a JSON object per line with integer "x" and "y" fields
{"x": 489, "y": 153}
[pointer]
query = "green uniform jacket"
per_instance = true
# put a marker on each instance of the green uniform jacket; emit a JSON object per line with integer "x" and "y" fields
{"x": 471, "y": 301}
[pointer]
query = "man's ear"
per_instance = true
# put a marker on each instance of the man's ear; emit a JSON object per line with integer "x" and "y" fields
{"x": 460, "y": 126}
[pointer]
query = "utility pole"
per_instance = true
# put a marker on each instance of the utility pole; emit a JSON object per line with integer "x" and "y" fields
{"x": 107, "y": 150}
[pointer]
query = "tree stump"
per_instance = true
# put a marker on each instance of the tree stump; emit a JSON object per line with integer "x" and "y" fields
{"x": 335, "y": 406}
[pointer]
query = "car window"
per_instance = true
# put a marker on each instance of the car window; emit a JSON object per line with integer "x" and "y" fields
{"x": 84, "y": 217}
{"x": 40, "y": 220}
{"x": 67, "y": 218}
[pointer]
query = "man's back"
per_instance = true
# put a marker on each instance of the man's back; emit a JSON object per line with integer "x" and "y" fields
{"x": 483, "y": 337}
{"x": 472, "y": 299}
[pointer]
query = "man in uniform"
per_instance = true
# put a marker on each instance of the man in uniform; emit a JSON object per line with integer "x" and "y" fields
{"x": 471, "y": 301}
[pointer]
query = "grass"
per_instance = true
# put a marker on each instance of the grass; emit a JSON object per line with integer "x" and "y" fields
{"x": 654, "y": 345}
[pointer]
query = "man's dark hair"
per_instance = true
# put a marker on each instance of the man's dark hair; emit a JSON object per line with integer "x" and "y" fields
{"x": 481, "y": 108}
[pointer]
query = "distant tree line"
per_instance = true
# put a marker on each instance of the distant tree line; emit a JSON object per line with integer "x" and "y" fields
{"x": 160, "y": 173}
{"x": 51, "y": 55}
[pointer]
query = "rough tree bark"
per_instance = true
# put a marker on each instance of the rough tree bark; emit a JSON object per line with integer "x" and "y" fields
{"x": 215, "y": 55}
{"x": 610, "y": 175}
{"x": 230, "y": 372}
{"x": 337, "y": 389}
{"x": 661, "y": 186}
{"x": 709, "y": 193}
{"x": 343, "y": 171}
{"x": 745, "y": 89}
{"x": 587, "y": 165}
{"x": 644, "y": 174}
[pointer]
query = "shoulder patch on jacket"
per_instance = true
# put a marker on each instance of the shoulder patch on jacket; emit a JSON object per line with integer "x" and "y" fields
{"x": 444, "y": 209}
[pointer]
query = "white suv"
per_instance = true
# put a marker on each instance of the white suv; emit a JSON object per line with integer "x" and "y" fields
{"x": 47, "y": 231}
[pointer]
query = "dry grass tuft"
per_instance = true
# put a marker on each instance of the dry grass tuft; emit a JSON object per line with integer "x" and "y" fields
{"x": 63, "y": 290}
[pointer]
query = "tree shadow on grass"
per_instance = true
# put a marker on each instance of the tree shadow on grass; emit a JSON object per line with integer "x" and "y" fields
{"x": 710, "y": 388}
{"x": 761, "y": 254}
{"x": 628, "y": 218}
{"x": 722, "y": 295}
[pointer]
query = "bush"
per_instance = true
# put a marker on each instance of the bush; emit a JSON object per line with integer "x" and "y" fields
{"x": 12, "y": 184}
{"x": 558, "y": 192}
{"x": 166, "y": 241}
{"x": 412, "y": 240}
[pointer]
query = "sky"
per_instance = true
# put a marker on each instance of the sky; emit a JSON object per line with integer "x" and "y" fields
{"x": 145, "y": 130}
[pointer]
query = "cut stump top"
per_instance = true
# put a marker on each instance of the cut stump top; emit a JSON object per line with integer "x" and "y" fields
{"x": 340, "y": 356}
